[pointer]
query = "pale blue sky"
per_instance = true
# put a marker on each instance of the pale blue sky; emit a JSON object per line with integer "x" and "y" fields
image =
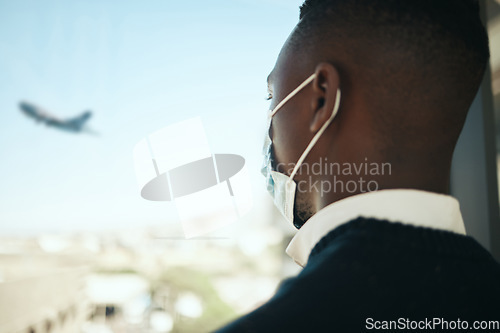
{"x": 139, "y": 66}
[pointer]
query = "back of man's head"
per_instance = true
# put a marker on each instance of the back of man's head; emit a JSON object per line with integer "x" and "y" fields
{"x": 415, "y": 64}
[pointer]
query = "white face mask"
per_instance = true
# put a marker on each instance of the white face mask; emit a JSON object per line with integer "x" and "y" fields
{"x": 282, "y": 187}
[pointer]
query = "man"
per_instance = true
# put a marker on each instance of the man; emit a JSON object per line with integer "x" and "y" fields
{"x": 368, "y": 99}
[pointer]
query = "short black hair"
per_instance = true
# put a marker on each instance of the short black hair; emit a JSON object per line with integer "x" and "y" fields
{"x": 421, "y": 54}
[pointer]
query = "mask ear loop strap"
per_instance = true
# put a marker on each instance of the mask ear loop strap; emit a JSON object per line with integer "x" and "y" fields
{"x": 293, "y": 93}
{"x": 317, "y": 136}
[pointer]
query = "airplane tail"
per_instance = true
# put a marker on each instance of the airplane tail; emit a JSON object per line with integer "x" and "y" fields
{"x": 80, "y": 121}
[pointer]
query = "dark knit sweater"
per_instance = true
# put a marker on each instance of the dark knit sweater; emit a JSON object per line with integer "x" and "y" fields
{"x": 376, "y": 269}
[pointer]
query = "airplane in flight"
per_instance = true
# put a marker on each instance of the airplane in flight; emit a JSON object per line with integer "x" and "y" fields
{"x": 75, "y": 125}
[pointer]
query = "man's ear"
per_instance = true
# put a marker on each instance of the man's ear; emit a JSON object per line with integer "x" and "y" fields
{"x": 325, "y": 86}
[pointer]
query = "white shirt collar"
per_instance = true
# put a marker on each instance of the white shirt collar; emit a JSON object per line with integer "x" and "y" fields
{"x": 414, "y": 207}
